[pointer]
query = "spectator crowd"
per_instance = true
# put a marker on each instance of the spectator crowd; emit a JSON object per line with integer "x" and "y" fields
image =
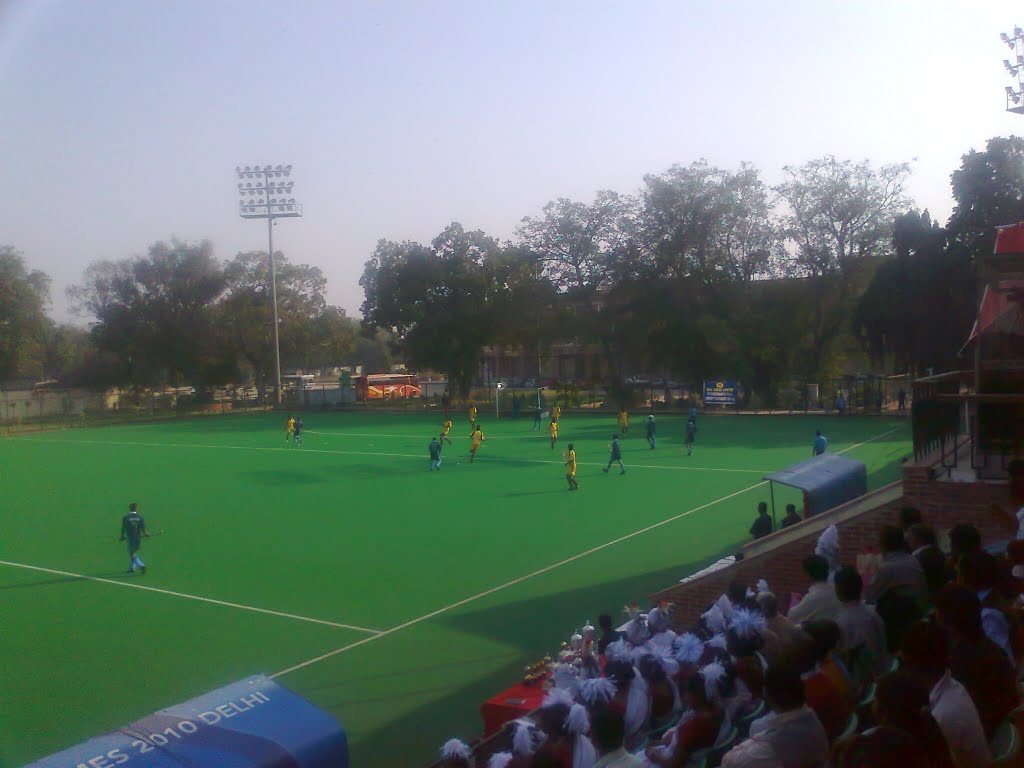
{"x": 917, "y": 668}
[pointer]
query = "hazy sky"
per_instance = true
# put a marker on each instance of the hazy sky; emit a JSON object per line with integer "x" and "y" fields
{"x": 121, "y": 121}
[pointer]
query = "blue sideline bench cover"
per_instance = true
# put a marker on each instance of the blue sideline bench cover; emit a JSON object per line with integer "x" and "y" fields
{"x": 253, "y": 723}
{"x": 828, "y": 480}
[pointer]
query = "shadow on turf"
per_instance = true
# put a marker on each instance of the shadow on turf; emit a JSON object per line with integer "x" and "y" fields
{"x": 63, "y": 580}
{"x": 535, "y": 627}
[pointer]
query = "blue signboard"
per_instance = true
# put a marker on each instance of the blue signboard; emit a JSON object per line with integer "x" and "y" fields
{"x": 254, "y": 723}
{"x": 719, "y": 392}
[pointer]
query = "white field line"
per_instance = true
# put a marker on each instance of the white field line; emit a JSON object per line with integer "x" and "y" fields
{"x": 198, "y": 598}
{"x": 295, "y": 450}
{"x": 513, "y": 582}
{"x": 492, "y": 590}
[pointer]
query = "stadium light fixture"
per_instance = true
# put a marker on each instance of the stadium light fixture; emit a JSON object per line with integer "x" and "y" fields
{"x": 257, "y": 201}
{"x": 1015, "y": 95}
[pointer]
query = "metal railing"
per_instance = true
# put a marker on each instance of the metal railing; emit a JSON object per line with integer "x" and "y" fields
{"x": 985, "y": 431}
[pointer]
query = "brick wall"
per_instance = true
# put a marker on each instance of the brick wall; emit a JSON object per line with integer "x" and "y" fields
{"x": 943, "y": 505}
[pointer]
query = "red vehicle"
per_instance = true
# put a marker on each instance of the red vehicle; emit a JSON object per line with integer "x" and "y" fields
{"x": 379, "y": 386}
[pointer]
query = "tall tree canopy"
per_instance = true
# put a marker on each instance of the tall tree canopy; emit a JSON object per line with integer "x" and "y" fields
{"x": 24, "y": 294}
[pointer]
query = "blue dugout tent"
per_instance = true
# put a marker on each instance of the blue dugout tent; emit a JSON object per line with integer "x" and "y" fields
{"x": 827, "y": 481}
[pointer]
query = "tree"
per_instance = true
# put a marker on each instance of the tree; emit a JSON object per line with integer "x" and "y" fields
{"x": 574, "y": 241}
{"x": 24, "y": 295}
{"x": 442, "y": 302}
{"x": 312, "y": 333}
{"x": 839, "y": 226}
{"x": 841, "y": 213}
{"x": 711, "y": 224}
{"x": 154, "y": 313}
{"x": 989, "y": 191}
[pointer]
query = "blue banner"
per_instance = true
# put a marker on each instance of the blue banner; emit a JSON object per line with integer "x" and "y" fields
{"x": 254, "y": 723}
{"x": 720, "y": 392}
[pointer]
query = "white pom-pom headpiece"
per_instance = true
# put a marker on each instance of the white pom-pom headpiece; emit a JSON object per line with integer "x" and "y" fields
{"x": 597, "y": 690}
{"x": 748, "y": 624}
{"x": 713, "y": 675}
{"x": 499, "y": 760}
{"x": 689, "y": 648}
{"x": 617, "y": 651}
{"x": 577, "y": 721}
{"x": 718, "y": 641}
{"x": 726, "y": 605}
{"x": 762, "y": 586}
{"x": 714, "y": 617}
{"x": 454, "y": 749}
{"x": 557, "y": 696}
{"x": 522, "y": 740}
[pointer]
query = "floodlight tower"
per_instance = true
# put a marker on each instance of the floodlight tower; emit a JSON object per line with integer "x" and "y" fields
{"x": 1015, "y": 68}
{"x": 268, "y": 199}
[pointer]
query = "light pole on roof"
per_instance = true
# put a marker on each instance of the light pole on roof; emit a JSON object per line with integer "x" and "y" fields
{"x": 268, "y": 198}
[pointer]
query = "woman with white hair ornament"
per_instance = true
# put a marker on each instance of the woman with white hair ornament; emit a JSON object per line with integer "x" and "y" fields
{"x": 566, "y": 725}
{"x": 702, "y": 723}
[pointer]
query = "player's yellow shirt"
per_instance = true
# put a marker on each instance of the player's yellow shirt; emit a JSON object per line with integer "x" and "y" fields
{"x": 477, "y": 437}
{"x": 472, "y": 413}
{"x": 446, "y": 427}
{"x": 290, "y": 425}
{"x": 570, "y": 464}
{"x": 623, "y": 419}
{"x": 556, "y": 412}
{"x": 553, "y": 429}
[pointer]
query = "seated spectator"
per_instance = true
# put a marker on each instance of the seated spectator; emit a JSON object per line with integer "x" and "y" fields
{"x": 661, "y": 690}
{"x": 963, "y": 540}
{"x": 907, "y": 735}
{"x": 763, "y": 523}
{"x": 608, "y": 729}
{"x": 921, "y": 540}
{"x": 744, "y": 640}
{"x": 974, "y": 660}
{"x": 910, "y": 516}
{"x": 861, "y": 630}
{"x": 698, "y": 730}
{"x": 737, "y": 592}
{"x": 791, "y": 736}
{"x": 781, "y": 633}
{"x": 791, "y": 518}
{"x": 608, "y": 633}
{"x": 901, "y": 701}
{"x": 820, "y": 602}
{"x": 926, "y": 653}
{"x": 979, "y": 571}
{"x": 899, "y": 591}
{"x": 899, "y": 572}
{"x": 631, "y": 698}
{"x": 826, "y": 688}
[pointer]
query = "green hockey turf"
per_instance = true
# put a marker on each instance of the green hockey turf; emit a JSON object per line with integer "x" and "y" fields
{"x": 425, "y": 592}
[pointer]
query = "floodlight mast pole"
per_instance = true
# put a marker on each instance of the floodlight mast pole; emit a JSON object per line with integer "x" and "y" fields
{"x": 273, "y": 301}
{"x": 1015, "y": 69}
{"x": 259, "y": 207}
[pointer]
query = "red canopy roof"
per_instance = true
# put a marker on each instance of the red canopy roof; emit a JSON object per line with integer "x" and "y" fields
{"x": 1010, "y": 239}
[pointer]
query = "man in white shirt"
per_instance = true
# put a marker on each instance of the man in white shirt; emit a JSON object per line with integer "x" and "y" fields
{"x": 791, "y": 736}
{"x": 926, "y": 653}
{"x": 861, "y": 630}
{"x": 820, "y": 602}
